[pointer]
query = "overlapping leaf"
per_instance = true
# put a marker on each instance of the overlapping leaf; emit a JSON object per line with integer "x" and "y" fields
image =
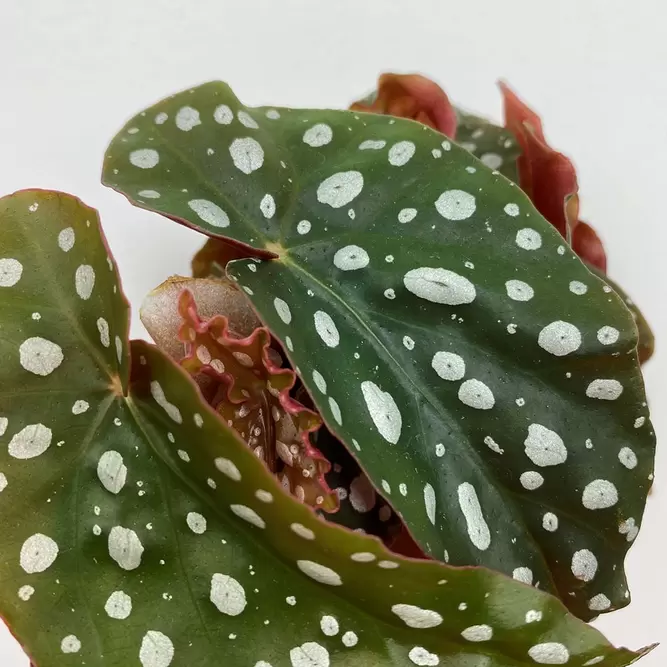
{"x": 137, "y": 528}
{"x": 485, "y": 379}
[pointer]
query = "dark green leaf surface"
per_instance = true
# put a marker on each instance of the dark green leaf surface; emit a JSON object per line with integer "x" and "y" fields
{"x": 485, "y": 380}
{"x": 138, "y": 530}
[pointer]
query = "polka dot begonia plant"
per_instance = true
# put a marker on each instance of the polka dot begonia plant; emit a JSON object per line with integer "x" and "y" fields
{"x": 388, "y": 368}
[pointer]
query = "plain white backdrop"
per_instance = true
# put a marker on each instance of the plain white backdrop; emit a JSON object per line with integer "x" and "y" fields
{"x": 72, "y": 71}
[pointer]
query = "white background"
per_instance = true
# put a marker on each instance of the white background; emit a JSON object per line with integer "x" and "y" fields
{"x": 72, "y": 71}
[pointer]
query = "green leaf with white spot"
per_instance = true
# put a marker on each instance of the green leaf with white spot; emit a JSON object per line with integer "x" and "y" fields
{"x": 467, "y": 353}
{"x": 495, "y": 146}
{"x": 139, "y": 530}
{"x": 646, "y": 340}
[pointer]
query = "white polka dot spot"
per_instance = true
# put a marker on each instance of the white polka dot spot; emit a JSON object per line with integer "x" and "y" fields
{"x": 38, "y": 553}
{"x": 40, "y": 356}
{"x": 448, "y": 366}
{"x": 351, "y": 258}
{"x": 335, "y": 411}
{"x": 103, "y": 328}
{"x": 66, "y": 239}
{"x": 158, "y": 395}
{"x": 578, "y": 288}
{"x": 70, "y": 644}
{"x": 209, "y": 212}
{"x": 550, "y": 522}
{"x": 268, "y": 206}
{"x": 227, "y": 594}
{"x": 599, "y": 602}
{"x": 608, "y": 335}
{"x": 118, "y": 605}
{"x": 303, "y": 227}
{"x": 196, "y": 523}
{"x": 125, "y": 548}
{"x": 320, "y": 382}
{"x": 401, "y": 153}
{"x": 544, "y": 447}
{"x": 223, "y": 114}
{"x": 247, "y": 154}
{"x": 84, "y": 281}
{"x": 478, "y": 530}
{"x": 531, "y": 480}
{"x": 512, "y": 210}
{"x": 303, "y": 532}
{"x": 310, "y": 654}
{"x": 111, "y": 471}
{"x": 584, "y": 565}
{"x": 319, "y": 573}
{"x": 439, "y": 286}
{"x": 599, "y": 494}
{"x": 478, "y": 633}
{"x": 248, "y": 514}
{"x": 31, "y": 441}
{"x": 247, "y": 120}
{"x": 604, "y": 389}
{"x": 11, "y": 271}
{"x": 416, "y": 617}
{"x": 383, "y": 411}
{"x": 550, "y": 653}
{"x": 519, "y": 291}
{"x": 157, "y": 650}
{"x": 326, "y": 329}
{"x": 476, "y": 394}
{"x": 350, "y": 639}
{"x": 528, "y": 239}
{"x": 80, "y": 407}
{"x": 329, "y": 626}
{"x": 559, "y": 338}
{"x": 340, "y": 189}
{"x": 26, "y": 592}
{"x": 372, "y": 145}
{"x": 144, "y": 158}
{"x": 492, "y": 160}
{"x": 407, "y": 215}
{"x": 523, "y": 574}
{"x": 422, "y": 657}
{"x": 318, "y": 135}
{"x": 455, "y": 205}
{"x": 187, "y": 118}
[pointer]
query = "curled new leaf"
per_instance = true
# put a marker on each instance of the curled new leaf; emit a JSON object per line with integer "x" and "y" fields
{"x": 254, "y": 399}
{"x": 411, "y": 96}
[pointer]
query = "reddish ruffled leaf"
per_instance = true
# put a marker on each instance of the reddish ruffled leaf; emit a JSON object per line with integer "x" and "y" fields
{"x": 254, "y": 399}
{"x": 550, "y": 180}
{"x": 412, "y": 96}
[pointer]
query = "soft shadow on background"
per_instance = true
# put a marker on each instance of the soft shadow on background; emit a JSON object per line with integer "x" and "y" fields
{"x": 72, "y": 70}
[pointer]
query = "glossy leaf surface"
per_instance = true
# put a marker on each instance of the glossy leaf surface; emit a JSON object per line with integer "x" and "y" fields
{"x": 138, "y": 530}
{"x": 486, "y": 381}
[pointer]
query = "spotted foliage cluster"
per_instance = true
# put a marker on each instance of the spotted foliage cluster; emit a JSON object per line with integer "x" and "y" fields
{"x": 485, "y": 379}
{"x": 138, "y": 529}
